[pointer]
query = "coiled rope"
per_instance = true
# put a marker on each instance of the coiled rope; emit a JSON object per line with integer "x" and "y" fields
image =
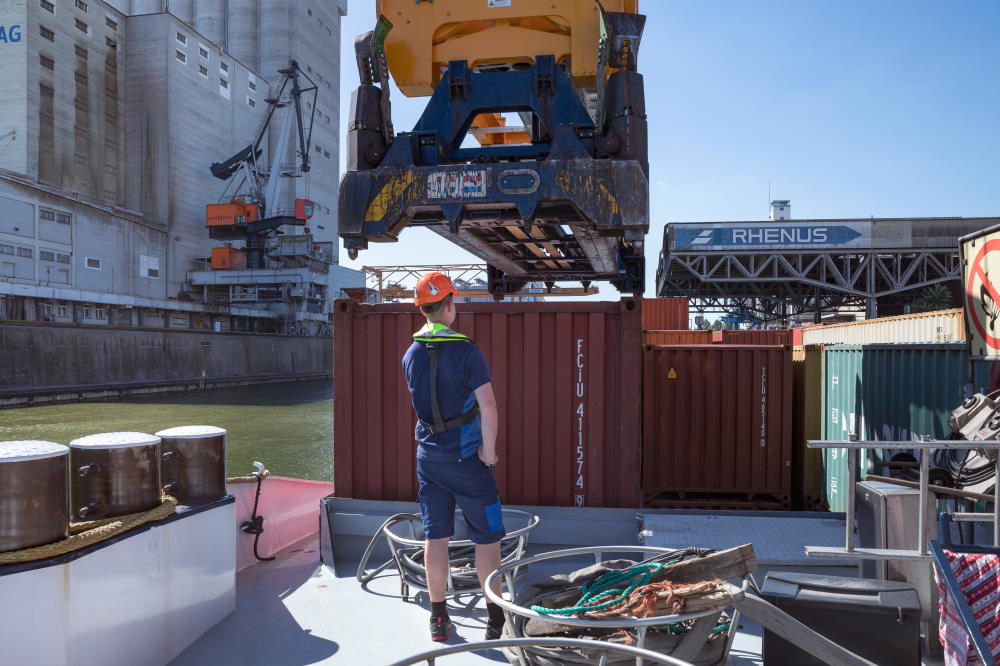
{"x": 91, "y": 532}
{"x": 612, "y": 588}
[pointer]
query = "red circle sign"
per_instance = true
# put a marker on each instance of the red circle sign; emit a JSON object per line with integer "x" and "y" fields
{"x": 977, "y": 274}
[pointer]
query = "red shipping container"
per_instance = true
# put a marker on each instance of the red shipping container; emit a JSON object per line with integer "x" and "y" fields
{"x": 775, "y": 336}
{"x": 569, "y": 387}
{"x": 665, "y": 314}
{"x": 717, "y": 426}
{"x": 677, "y": 337}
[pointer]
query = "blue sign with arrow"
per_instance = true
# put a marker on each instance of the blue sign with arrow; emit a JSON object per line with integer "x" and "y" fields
{"x": 690, "y": 235}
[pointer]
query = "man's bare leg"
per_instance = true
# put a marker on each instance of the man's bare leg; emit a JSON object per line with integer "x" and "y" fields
{"x": 436, "y": 562}
{"x": 488, "y": 561}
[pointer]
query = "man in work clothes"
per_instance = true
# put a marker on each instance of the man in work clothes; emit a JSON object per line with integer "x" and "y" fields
{"x": 456, "y": 432}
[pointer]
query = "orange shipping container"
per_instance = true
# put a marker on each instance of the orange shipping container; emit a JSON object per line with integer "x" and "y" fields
{"x": 665, "y": 314}
{"x": 717, "y": 426}
{"x": 677, "y": 337}
{"x": 568, "y": 382}
{"x": 228, "y": 259}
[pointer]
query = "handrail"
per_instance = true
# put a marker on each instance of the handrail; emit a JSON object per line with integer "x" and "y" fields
{"x": 926, "y": 446}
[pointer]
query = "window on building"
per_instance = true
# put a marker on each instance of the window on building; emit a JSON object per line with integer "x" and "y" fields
{"x": 113, "y": 24}
{"x": 48, "y": 6}
{"x": 182, "y": 38}
{"x": 46, "y": 62}
{"x": 223, "y": 83}
{"x": 81, "y": 78}
{"x": 203, "y": 52}
{"x": 224, "y": 66}
{"x": 100, "y": 314}
{"x": 47, "y": 255}
{"x": 25, "y": 252}
{"x": 82, "y": 27}
{"x": 46, "y": 33}
{"x": 81, "y": 5}
{"x": 253, "y": 86}
{"x": 6, "y": 249}
{"x": 46, "y": 91}
{"x": 93, "y": 264}
{"x": 181, "y": 56}
{"x": 153, "y": 272}
{"x": 252, "y": 102}
{"x": 47, "y": 309}
{"x": 203, "y": 70}
{"x": 44, "y": 214}
{"x": 80, "y": 51}
{"x": 64, "y": 218}
{"x": 62, "y": 311}
{"x": 62, "y": 258}
{"x": 112, "y": 44}
{"x": 86, "y": 312}
{"x": 326, "y": 153}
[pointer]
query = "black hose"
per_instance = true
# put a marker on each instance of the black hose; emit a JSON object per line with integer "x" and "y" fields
{"x": 255, "y": 525}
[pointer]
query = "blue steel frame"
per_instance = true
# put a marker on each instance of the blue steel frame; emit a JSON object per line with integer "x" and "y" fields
{"x": 961, "y": 603}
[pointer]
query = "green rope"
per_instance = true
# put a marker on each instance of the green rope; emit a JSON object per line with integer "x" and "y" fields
{"x": 609, "y": 585}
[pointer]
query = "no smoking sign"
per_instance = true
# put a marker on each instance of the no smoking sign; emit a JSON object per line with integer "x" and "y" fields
{"x": 981, "y": 277}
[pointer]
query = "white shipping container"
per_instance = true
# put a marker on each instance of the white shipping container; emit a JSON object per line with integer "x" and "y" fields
{"x": 940, "y": 326}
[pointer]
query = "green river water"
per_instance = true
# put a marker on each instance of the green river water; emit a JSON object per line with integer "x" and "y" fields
{"x": 288, "y": 427}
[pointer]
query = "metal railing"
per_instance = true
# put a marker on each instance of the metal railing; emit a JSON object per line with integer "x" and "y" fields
{"x": 605, "y": 649}
{"x": 413, "y": 574}
{"x": 926, "y": 446}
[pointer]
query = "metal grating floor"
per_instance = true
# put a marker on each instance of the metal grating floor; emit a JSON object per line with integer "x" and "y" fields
{"x": 777, "y": 541}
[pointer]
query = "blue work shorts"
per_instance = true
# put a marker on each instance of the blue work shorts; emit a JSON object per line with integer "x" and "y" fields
{"x": 469, "y": 483}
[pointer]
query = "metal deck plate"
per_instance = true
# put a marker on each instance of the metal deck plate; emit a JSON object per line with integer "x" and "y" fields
{"x": 777, "y": 541}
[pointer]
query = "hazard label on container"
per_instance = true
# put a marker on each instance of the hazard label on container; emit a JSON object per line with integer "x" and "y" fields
{"x": 498, "y": 3}
{"x": 981, "y": 273}
{"x": 672, "y": 374}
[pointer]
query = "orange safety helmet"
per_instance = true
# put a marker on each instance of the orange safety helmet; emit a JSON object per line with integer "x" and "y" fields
{"x": 433, "y": 287}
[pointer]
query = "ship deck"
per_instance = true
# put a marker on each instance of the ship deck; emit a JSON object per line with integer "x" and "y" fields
{"x": 296, "y": 610}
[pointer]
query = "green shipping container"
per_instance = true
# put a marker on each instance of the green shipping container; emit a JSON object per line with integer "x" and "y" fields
{"x": 888, "y": 392}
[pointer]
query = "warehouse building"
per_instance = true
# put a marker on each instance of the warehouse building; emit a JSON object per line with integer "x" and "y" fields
{"x": 112, "y": 114}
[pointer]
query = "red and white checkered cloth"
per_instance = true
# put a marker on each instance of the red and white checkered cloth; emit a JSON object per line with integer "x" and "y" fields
{"x": 979, "y": 577}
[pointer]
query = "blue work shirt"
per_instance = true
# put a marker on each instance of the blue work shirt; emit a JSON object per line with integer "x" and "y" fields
{"x": 461, "y": 370}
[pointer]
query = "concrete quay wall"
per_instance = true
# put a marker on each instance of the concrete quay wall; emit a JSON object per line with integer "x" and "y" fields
{"x": 38, "y": 360}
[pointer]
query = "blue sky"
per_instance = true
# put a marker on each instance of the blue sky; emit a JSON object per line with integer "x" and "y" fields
{"x": 849, "y": 108}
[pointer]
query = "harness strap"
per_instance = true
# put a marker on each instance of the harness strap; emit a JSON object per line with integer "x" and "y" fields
{"x": 432, "y": 352}
{"x": 439, "y": 425}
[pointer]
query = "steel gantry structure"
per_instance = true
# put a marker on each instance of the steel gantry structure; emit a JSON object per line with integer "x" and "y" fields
{"x": 773, "y": 270}
{"x": 395, "y": 283}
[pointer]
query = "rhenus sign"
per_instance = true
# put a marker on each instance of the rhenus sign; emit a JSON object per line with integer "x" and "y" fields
{"x": 766, "y": 236}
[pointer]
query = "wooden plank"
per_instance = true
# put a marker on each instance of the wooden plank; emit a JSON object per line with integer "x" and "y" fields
{"x": 723, "y": 565}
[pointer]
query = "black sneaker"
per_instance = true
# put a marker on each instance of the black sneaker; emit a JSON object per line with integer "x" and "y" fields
{"x": 493, "y": 631}
{"x": 440, "y": 626}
